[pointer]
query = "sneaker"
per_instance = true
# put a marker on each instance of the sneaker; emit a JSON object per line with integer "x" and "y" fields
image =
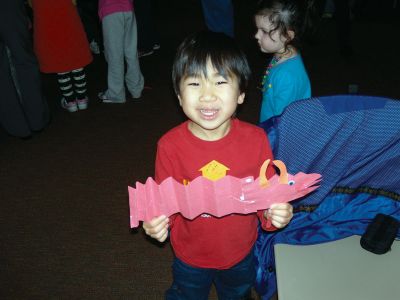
{"x": 103, "y": 97}
{"x": 142, "y": 53}
{"x": 70, "y": 106}
{"x": 136, "y": 97}
{"x": 327, "y": 15}
{"x": 156, "y": 46}
{"x": 94, "y": 47}
{"x": 82, "y": 103}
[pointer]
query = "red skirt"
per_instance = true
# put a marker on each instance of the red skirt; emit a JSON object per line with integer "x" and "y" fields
{"x": 60, "y": 41}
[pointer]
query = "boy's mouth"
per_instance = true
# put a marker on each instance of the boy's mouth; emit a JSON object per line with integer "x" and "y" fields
{"x": 208, "y": 113}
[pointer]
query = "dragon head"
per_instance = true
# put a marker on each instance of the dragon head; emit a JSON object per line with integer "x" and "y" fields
{"x": 301, "y": 183}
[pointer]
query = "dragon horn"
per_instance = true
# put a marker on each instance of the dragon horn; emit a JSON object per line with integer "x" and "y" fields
{"x": 263, "y": 170}
{"x": 283, "y": 175}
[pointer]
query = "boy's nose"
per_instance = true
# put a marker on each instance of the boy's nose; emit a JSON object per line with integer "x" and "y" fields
{"x": 207, "y": 94}
{"x": 207, "y": 98}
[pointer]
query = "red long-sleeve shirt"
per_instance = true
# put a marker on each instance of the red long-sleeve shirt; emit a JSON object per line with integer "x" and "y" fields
{"x": 207, "y": 241}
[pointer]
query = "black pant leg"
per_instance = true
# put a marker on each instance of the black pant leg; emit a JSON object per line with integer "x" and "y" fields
{"x": 343, "y": 23}
{"x": 12, "y": 117}
{"x": 88, "y": 12}
{"x": 15, "y": 35}
{"x": 147, "y": 32}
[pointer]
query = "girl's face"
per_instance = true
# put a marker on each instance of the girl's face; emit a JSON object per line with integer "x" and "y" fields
{"x": 269, "y": 43}
{"x": 209, "y": 102}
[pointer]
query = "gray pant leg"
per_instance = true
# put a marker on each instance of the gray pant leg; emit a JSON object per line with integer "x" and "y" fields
{"x": 134, "y": 78}
{"x": 113, "y": 37}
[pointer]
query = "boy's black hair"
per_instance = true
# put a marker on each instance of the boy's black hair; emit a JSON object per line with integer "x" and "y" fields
{"x": 224, "y": 54}
{"x": 295, "y": 15}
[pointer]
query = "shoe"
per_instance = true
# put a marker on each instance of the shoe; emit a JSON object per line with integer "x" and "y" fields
{"x": 327, "y": 15}
{"x": 156, "y": 46}
{"x": 103, "y": 97}
{"x": 136, "y": 97}
{"x": 70, "y": 106}
{"x": 82, "y": 103}
{"x": 94, "y": 47}
{"x": 142, "y": 53}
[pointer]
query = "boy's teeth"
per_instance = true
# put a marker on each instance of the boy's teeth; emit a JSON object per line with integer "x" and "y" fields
{"x": 208, "y": 112}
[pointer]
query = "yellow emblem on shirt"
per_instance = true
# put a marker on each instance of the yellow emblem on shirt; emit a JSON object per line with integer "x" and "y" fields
{"x": 214, "y": 170}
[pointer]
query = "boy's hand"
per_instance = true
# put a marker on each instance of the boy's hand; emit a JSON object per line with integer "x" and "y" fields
{"x": 279, "y": 214}
{"x": 157, "y": 228}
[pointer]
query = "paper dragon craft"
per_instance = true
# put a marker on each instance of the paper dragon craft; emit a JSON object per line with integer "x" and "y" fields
{"x": 219, "y": 198}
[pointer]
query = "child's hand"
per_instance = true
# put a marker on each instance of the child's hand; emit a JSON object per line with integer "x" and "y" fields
{"x": 279, "y": 214}
{"x": 157, "y": 228}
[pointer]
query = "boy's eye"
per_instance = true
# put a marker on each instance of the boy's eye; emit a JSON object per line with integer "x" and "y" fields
{"x": 221, "y": 82}
{"x": 193, "y": 83}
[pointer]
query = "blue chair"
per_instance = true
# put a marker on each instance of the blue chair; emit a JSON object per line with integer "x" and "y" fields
{"x": 354, "y": 143}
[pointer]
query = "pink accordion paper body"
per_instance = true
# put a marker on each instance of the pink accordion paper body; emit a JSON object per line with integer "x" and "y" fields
{"x": 219, "y": 198}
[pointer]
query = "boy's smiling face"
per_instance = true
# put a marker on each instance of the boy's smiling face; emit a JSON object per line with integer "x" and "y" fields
{"x": 209, "y": 102}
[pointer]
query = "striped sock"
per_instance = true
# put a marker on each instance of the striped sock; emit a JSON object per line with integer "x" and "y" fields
{"x": 65, "y": 85}
{"x": 79, "y": 77}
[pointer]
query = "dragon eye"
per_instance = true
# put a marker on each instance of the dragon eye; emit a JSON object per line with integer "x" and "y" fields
{"x": 291, "y": 182}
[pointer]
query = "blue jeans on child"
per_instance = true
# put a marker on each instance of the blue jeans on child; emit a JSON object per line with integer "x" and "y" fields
{"x": 218, "y": 15}
{"x": 195, "y": 283}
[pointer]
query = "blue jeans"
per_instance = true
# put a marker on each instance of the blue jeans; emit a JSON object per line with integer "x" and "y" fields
{"x": 195, "y": 283}
{"x": 218, "y": 15}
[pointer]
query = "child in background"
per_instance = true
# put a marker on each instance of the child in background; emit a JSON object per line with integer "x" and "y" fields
{"x": 120, "y": 44}
{"x": 280, "y": 24}
{"x": 210, "y": 75}
{"x": 61, "y": 47}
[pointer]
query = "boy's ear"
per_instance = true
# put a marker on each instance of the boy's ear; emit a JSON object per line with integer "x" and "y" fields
{"x": 179, "y": 98}
{"x": 241, "y": 98}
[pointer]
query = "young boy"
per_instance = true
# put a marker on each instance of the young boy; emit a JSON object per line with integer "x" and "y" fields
{"x": 210, "y": 74}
